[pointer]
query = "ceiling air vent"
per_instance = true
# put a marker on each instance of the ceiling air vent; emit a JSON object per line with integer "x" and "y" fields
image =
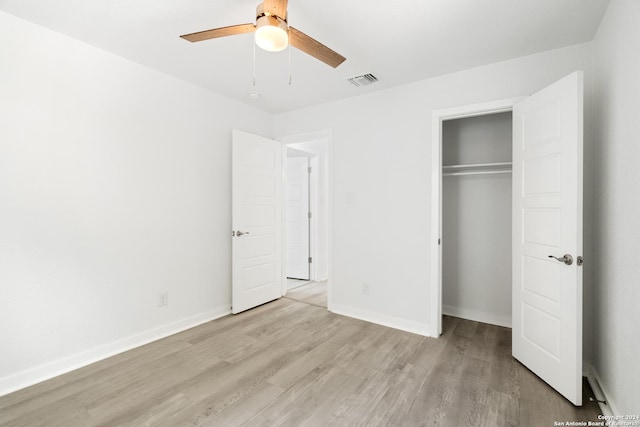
{"x": 363, "y": 80}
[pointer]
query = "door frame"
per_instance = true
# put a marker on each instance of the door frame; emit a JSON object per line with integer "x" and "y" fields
{"x": 314, "y": 227}
{"x": 437, "y": 117}
{"x": 326, "y": 136}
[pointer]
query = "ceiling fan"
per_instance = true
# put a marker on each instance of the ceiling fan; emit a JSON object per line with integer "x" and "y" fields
{"x": 273, "y": 33}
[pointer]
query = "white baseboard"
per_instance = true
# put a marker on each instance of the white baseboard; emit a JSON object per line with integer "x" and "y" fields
{"x": 382, "y": 319}
{"x": 52, "y": 369}
{"x": 600, "y": 392}
{"x": 478, "y": 316}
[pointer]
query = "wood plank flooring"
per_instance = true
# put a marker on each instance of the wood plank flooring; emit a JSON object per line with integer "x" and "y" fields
{"x": 314, "y": 293}
{"x": 289, "y": 363}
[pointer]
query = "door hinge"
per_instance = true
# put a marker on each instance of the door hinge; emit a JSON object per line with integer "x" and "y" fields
{"x": 310, "y": 260}
{"x": 309, "y": 169}
{"x": 438, "y": 241}
{"x": 309, "y": 216}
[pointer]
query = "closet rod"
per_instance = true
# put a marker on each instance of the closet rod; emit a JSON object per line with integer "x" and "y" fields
{"x": 485, "y": 172}
{"x": 476, "y": 165}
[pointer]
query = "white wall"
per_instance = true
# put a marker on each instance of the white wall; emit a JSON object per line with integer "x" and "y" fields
{"x": 114, "y": 186}
{"x": 381, "y": 157}
{"x": 615, "y": 221}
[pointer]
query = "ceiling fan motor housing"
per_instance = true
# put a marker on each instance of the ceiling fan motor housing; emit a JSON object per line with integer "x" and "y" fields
{"x": 260, "y": 13}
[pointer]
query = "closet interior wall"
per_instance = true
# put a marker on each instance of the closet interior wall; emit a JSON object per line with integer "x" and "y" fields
{"x": 476, "y": 218}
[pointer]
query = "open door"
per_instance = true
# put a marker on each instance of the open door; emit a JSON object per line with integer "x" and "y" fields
{"x": 547, "y": 235}
{"x": 256, "y": 221}
{"x": 297, "y": 218}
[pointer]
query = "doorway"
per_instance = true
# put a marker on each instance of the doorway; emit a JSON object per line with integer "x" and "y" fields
{"x": 315, "y": 148}
{"x": 439, "y": 118}
{"x": 476, "y": 218}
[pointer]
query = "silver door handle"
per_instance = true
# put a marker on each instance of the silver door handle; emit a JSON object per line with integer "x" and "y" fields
{"x": 240, "y": 233}
{"x": 567, "y": 259}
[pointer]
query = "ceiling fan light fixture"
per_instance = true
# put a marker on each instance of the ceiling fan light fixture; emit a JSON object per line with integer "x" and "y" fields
{"x": 271, "y": 34}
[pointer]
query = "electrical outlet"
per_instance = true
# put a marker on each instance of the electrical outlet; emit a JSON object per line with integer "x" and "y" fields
{"x": 365, "y": 289}
{"x": 163, "y": 299}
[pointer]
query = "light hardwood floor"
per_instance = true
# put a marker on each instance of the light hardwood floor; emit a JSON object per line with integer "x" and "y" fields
{"x": 289, "y": 363}
{"x": 314, "y": 293}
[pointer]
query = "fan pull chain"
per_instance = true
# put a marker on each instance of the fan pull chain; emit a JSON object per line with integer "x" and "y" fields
{"x": 289, "y": 64}
{"x": 254, "y": 63}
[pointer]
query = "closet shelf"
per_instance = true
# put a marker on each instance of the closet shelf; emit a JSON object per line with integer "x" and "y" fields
{"x": 476, "y": 169}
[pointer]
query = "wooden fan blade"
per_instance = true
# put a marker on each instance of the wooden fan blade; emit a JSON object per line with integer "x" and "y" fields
{"x": 276, "y": 7}
{"x": 308, "y": 45}
{"x": 219, "y": 32}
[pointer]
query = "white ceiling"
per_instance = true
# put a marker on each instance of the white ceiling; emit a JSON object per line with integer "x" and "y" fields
{"x": 399, "y": 42}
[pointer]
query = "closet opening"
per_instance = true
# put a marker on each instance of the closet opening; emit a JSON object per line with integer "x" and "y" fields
{"x": 471, "y": 213}
{"x": 476, "y": 218}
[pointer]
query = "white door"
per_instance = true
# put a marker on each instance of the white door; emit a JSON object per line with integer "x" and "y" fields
{"x": 297, "y": 218}
{"x": 547, "y": 221}
{"x": 256, "y": 221}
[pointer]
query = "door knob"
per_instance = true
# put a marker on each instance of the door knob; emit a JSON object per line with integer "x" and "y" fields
{"x": 567, "y": 259}
{"x": 240, "y": 233}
